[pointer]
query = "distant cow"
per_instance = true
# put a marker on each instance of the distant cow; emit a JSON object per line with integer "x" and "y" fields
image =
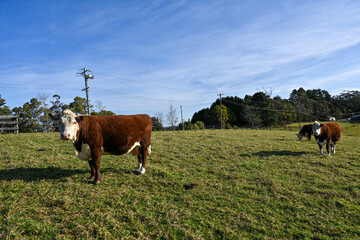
{"x": 328, "y": 133}
{"x": 93, "y": 136}
{"x": 306, "y": 131}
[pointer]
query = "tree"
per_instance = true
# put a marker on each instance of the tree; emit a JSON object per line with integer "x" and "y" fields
{"x": 286, "y": 112}
{"x": 56, "y": 106}
{"x": 304, "y": 106}
{"x": 172, "y": 117}
{"x": 215, "y": 114}
{"x": 99, "y": 106}
{"x": 192, "y": 126}
{"x": 160, "y": 117}
{"x": 29, "y": 116}
{"x": 202, "y": 115}
{"x": 103, "y": 113}
{"x": 156, "y": 124}
{"x": 4, "y": 110}
{"x": 79, "y": 105}
{"x": 348, "y": 102}
{"x": 263, "y": 103}
{"x": 44, "y": 111}
{"x": 252, "y": 117}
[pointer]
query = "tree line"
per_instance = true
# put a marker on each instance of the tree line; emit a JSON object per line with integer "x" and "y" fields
{"x": 34, "y": 115}
{"x": 258, "y": 110}
{"x": 262, "y": 110}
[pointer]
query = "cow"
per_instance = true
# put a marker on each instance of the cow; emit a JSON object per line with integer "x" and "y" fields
{"x": 328, "y": 133}
{"x": 93, "y": 136}
{"x": 306, "y": 131}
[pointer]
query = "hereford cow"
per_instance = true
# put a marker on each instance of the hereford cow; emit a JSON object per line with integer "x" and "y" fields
{"x": 93, "y": 136}
{"x": 305, "y": 131}
{"x": 328, "y": 133}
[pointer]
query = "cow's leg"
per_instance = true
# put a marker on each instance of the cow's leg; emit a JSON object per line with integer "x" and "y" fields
{"x": 333, "y": 148}
{"x": 92, "y": 167}
{"x": 96, "y": 157}
{"x": 142, "y": 155}
{"x": 138, "y": 169}
{"x": 321, "y": 149}
{"x": 328, "y": 147}
{"x": 141, "y": 165}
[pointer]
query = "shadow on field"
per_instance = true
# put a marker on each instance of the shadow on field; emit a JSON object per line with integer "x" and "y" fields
{"x": 278, "y": 153}
{"x": 36, "y": 174}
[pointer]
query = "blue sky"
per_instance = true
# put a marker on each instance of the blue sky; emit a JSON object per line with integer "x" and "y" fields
{"x": 147, "y": 54}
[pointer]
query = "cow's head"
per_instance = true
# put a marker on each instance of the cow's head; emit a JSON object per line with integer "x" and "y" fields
{"x": 300, "y": 136}
{"x": 69, "y": 124}
{"x": 316, "y": 128}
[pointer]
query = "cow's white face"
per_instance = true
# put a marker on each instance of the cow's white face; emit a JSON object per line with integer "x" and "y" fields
{"x": 68, "y": 125}
{"x": 316, "y": 128}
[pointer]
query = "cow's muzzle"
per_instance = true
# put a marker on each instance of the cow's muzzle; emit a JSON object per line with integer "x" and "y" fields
{"x": 65, "y": 136}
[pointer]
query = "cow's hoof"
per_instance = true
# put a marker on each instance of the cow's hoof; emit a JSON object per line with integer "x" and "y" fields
{"x": 140, "y": 171}
{"x": 96, "y": 182}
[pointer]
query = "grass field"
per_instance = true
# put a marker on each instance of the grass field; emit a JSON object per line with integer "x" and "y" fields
{"x": 244, "y": 184}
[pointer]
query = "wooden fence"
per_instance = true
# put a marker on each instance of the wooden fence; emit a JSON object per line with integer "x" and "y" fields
{"x": 9, "y": 124}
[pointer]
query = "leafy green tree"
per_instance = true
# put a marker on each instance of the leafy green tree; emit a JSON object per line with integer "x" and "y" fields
{"x": 188, "y": 125}
{"x": 78, "y": 105}
{"x": 304, "y": 106}
{"x": 29, "y": 116}
{"x": 4, "y": 110}
{"x": 215, "y": 115}
{"x": 103, "y": 113}
{"x": 285, "y": 111}
{"x": 348, "y": 102}
{"x": 203, "y": 115}
{"x": 157, "y": 125}
{"x": 200, "y": 124}
{"x": 264, "y": 104}
{"x": 56, "y": 106}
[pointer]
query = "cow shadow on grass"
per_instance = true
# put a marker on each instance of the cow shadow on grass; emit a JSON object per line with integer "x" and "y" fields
{"x": 49, "y": 173}
{"x": 36, "y": 174}
{"x": 278, "y": 153}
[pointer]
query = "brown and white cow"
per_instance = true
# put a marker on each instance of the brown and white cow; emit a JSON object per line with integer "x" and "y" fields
{"x": 306, "y": 131}
{"x": 93, "y": 136}
{"x": 328, "y": 133}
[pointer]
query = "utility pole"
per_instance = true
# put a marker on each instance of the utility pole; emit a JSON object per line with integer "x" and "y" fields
{"x": 221, "y": 118}
{"x": 86, "y": 89}
{"x": 182, "y": 119}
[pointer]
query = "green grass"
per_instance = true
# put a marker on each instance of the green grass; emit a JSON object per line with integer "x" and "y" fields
{"x": 248, "y": 184}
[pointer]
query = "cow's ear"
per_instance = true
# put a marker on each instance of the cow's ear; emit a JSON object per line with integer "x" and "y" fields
{"x": 321, "y": 125}
{"x": 79, "y": 119}
{"x": 54, "y": 117}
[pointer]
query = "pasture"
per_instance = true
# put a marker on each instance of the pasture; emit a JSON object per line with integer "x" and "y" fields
{"x": 212, "y": 184}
